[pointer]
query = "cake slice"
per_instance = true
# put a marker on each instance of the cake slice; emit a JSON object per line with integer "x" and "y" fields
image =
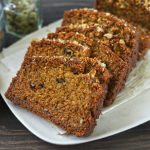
{"x": 117, "y": 67}
{"x": 47, "y": 47}
{"x": 74, "y": 37}
{"x": 67, "y": 92}
{"x": 135, "y": 12}
{"x": 116, "y": 33}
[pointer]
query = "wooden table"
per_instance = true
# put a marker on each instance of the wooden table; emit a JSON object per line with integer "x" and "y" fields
{"x": 14, "y": 136}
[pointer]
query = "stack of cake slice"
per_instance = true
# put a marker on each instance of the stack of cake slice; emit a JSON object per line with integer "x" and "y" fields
{"x": 70, "y": 75}
{"x": 135, "y": 12}
{"x": 121, "y": 37}
{"x": 116, "y": 66}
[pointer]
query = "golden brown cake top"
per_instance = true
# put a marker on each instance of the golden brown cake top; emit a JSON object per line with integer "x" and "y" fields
{"x": 57, "y": 47}
{"x": 127, "y": 3}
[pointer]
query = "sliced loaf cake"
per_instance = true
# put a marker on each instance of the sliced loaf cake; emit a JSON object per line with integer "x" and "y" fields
{"x": 117, "y": 67}
{"x": 116, "y": 33}
{"x": 68, "y": 92}
{"x": 135, "y": 12}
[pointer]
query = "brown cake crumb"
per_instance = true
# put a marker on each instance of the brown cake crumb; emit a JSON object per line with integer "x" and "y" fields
{"x": 80, "y": 99}
{"x": 86, "y": 61}
{"x": 114, "y": 30}
{"x": 117, "y": 67}
{"x": 74, "y": 37}
{"x": 135, "y": 12}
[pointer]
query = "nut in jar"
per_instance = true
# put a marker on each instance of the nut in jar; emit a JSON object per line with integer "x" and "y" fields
{"x": 22, "y": 16}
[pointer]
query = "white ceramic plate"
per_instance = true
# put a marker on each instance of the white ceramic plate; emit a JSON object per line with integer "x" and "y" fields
{"x": 123, "y": 117}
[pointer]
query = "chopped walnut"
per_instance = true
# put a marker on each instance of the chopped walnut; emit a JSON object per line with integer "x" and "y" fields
{"x": 92, "y": 73}
{"x": 108, "y": 35}
{"x": 121, "y": 41}
{"x": 60, "y": 80}
{"x": 102, "y": 64}
{"x": 107, "y": 14}
{"x": 99, "y": 29}
{"x": 81, "y": 121}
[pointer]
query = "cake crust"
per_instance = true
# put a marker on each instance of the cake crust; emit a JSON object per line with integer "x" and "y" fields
{"x": 47, "y": 47}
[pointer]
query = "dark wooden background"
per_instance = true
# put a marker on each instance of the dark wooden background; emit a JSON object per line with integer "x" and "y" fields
{"x": 13, "y": 136}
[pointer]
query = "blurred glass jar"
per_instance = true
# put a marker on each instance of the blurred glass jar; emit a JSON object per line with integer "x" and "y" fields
{"x": 1, "y": 27}
{"x": 22, "y": 16}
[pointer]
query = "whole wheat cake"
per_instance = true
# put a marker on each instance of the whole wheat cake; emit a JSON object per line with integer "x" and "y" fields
{"x": 121, "y": 37}
{"x": 81, "y": 84}
{"x": 135, "y": 12}
{"x": 117, "y": 67}
{"x": 75, "y": 37}
{"x": 144, "y": 41}
{"x": 47, "y": 47}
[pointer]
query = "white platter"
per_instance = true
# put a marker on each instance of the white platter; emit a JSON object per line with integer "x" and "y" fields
{"x": 125, "y": 116}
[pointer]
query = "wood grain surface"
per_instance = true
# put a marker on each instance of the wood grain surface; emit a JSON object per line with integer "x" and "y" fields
{"x": 14, "y": 136}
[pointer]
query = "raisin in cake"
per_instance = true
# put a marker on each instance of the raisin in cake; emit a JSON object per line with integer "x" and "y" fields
{"x": 137, "y": 11}
{"x": 81, "y": 84}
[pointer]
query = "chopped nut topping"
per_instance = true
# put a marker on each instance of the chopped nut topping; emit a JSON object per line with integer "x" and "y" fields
{"x": 121, "y": 41}
{"x": 84, "y": 25}
{"x": 81, "y": 121}
{"x": 107, "y": 14}
{"x": 90, "y": 9}
{"x": 99, "y": 29}
{"x": 76, "y": 42}
{"x": 125, "y": 24}
{"x": 108, "y": 35}
{"x": 45, "y": 109}
{"x": 56, "y": 40}
{"x": 102, "y": 64}
{"x": 92, "y": 73}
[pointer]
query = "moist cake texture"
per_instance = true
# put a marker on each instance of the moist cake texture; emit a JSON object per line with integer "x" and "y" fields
{"x": 136, "y": 12}
{"x": 86, "y": 61}
{"x": 116, "y": 33}
{"x": 81, "y": 84}
{"x": 117, "y": 67}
